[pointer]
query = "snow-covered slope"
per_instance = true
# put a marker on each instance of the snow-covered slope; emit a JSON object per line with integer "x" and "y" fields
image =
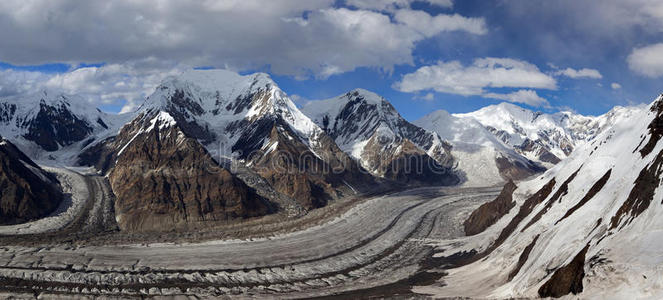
{"x": 546, "y": 138}
{"x": 49, "y": 125}
{"x": 592, "y": 224}
{"x": 480, "y": 155}
{"x": 369, "y": 128}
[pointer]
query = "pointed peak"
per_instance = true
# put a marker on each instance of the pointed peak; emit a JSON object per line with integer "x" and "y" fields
{"x": 162, "y": 120}
{"x": 362, "y": 94}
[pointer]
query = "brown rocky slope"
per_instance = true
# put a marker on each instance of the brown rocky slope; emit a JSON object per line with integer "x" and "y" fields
{"x": 26, "y": 191}
{"x": 164, "y": 180}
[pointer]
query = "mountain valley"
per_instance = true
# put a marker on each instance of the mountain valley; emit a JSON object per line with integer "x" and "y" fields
{"x": 219, "y": 185}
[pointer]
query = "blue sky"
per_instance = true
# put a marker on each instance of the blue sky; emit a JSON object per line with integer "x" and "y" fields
{"x": 420, "y": 55}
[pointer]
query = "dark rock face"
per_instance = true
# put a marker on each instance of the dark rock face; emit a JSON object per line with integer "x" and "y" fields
{"x": 516, "y": 170}
{"x": 24, "y": 195}
{"x": 655, "y": 128}
{"x": 489, "y": 213}
{"x": 164, "y": 180}
{"x": 56, "y": 126}
{"x": 410, "y": 165}
{"x": 101, "y": 155}
{"x": 567, "y": 279}
{"x": 525, "y": 209}
{"x": 642, "y": 193}
{"x": 522, "y": 259}
{"x": 406, "y": 163}
{"x": 590, "y": 194}
{"x": 312, "y": 179}
{"x": 7, "y": 110}
{"x": 182, "y": 107}
{"x": 563, "y": 190}
{"x": 539, "y": 150}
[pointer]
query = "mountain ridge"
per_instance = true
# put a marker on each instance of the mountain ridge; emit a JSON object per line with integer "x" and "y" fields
{"x": 351, "y": 144}
{"x": 581, "y": 226}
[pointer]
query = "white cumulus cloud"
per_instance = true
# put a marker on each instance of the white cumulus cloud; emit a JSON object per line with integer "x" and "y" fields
{"x": 394, "y": 4}
{"x": 647, "y": 61}
{"x": 582, "y": 73}
{"x": 106, "y": 84}
{"x": 429, "y": 25}
{"x": 299, "y": 38}
{"x": 615, "y": 86}
{"x": 15, "y": 82}
{"x": 529, "y": 97}
{"x": 454, "y": 78}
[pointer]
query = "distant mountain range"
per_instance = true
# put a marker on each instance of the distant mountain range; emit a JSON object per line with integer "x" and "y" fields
{"x": 204, "y": 121}
{"x": 591, "y": 224}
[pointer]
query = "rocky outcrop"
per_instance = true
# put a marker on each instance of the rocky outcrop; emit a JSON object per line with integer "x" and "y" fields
{"x": 590, "y": 194}
{"x": 408, "y": 164}
{"x": 655, "y": 127}
{"x": 567, "y": 279}
{"x": 488, "y": 213}
{"x": 26, "y": 191}
{"x": 312, "y": 178}
{"x": 522, "y": 259}
{"x": 525, "y": 209}
{"x": 541, "y": 152}
{"x": 164, "y": 180}
{"x": 55, "y": 126}
{"x": 512, "y": 169}
{"x": 642, "y": 193}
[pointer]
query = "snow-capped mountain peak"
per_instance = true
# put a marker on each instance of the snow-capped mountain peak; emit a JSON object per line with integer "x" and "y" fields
{"x": 208, "y": 102}
{"x": 480, "y": 154}
{"x": 368, "y": 127}
{"x": 354, "y": 116}
{"x": 547, "y": 138}
{"x": 48, "y": 121}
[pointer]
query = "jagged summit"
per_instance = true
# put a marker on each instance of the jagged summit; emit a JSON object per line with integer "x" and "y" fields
{"x": 212, "y": 88}
{"x": 28, "y": 106}
{"x": 50, "y": 121}
{"x": 211, "y": 103}
{"x": 368, "y": 127}
{"x": 357, "y": 115}
{"x": 546, "y": 138}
